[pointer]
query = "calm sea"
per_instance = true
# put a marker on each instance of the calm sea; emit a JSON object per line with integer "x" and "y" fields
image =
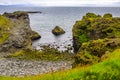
{"x": 64, "y": 17}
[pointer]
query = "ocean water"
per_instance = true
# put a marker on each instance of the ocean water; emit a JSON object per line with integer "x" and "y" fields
{"x": 64, "y": 17}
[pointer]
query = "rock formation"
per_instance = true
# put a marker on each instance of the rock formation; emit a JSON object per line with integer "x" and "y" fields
{"x": 18, "y": 32}
{"x": 35, "y": 35}
{"x": 93, "y": 27}
{"x": 94, "y": 35}
{"x": 58, "y": 31}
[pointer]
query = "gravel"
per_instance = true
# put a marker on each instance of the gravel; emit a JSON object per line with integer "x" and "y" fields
{"x": 16, "y": 67}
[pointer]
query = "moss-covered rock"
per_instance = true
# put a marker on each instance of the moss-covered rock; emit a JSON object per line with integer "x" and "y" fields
{"x": 107, "y": 15}
{"x": 58, "y": 30}
{"x": 94, "y": 36}
{"x": 5, "y": 26}
{"x": 93, "y": 27}
{"x": 15, "y": 32}
{"x": 91, "y": 52}
{"x": 35, "y": 35}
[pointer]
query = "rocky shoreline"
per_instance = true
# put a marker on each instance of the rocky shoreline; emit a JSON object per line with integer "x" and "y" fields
{"x": 16, "y": 67}
{"x": 19, "y": 36}
{"x": 19, "y": 39}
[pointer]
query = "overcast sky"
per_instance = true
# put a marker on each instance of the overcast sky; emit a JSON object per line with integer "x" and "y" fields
{"x": 62, "y": 2}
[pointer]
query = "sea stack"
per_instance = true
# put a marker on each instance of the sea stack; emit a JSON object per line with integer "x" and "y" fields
{"x": 58, "y": 31}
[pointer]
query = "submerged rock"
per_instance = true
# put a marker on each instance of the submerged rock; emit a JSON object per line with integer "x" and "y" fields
{"x": 58, "y": 31}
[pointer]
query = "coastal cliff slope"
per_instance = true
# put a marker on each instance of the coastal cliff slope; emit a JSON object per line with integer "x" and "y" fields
{"x": 15, "y": 32}
{"x": 95, "y": 36}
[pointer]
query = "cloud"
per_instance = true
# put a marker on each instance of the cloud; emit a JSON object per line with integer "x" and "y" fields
{"x": 12, "y": 2}
{"x": 60, "y": 2}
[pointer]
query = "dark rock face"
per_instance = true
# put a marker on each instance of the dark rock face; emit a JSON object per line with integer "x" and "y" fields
{"x": 20, "y": 34}
{"x": 76, "y": 44}
{"x": 58, "y": 31}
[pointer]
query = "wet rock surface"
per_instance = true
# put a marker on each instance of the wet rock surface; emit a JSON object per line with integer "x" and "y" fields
{"x": 16, "y": 67}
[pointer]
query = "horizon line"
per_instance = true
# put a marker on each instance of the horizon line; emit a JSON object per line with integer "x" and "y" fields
{"x": 83, "y": 5}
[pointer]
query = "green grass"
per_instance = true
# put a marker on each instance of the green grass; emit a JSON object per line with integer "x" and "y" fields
{"x": 46, "y": 54}
{"x": 5, "y": 26}
{"x": 109, "y": 69}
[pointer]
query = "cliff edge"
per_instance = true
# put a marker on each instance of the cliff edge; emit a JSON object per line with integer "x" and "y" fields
{"x": 95, "y": 36}
{"x": 15, "y": 32}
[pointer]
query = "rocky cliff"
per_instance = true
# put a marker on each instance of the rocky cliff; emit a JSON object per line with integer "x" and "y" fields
{"x": 93, "y": 27}
{"x": 15, "y": 32}
{"x": 94, "y": 36}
